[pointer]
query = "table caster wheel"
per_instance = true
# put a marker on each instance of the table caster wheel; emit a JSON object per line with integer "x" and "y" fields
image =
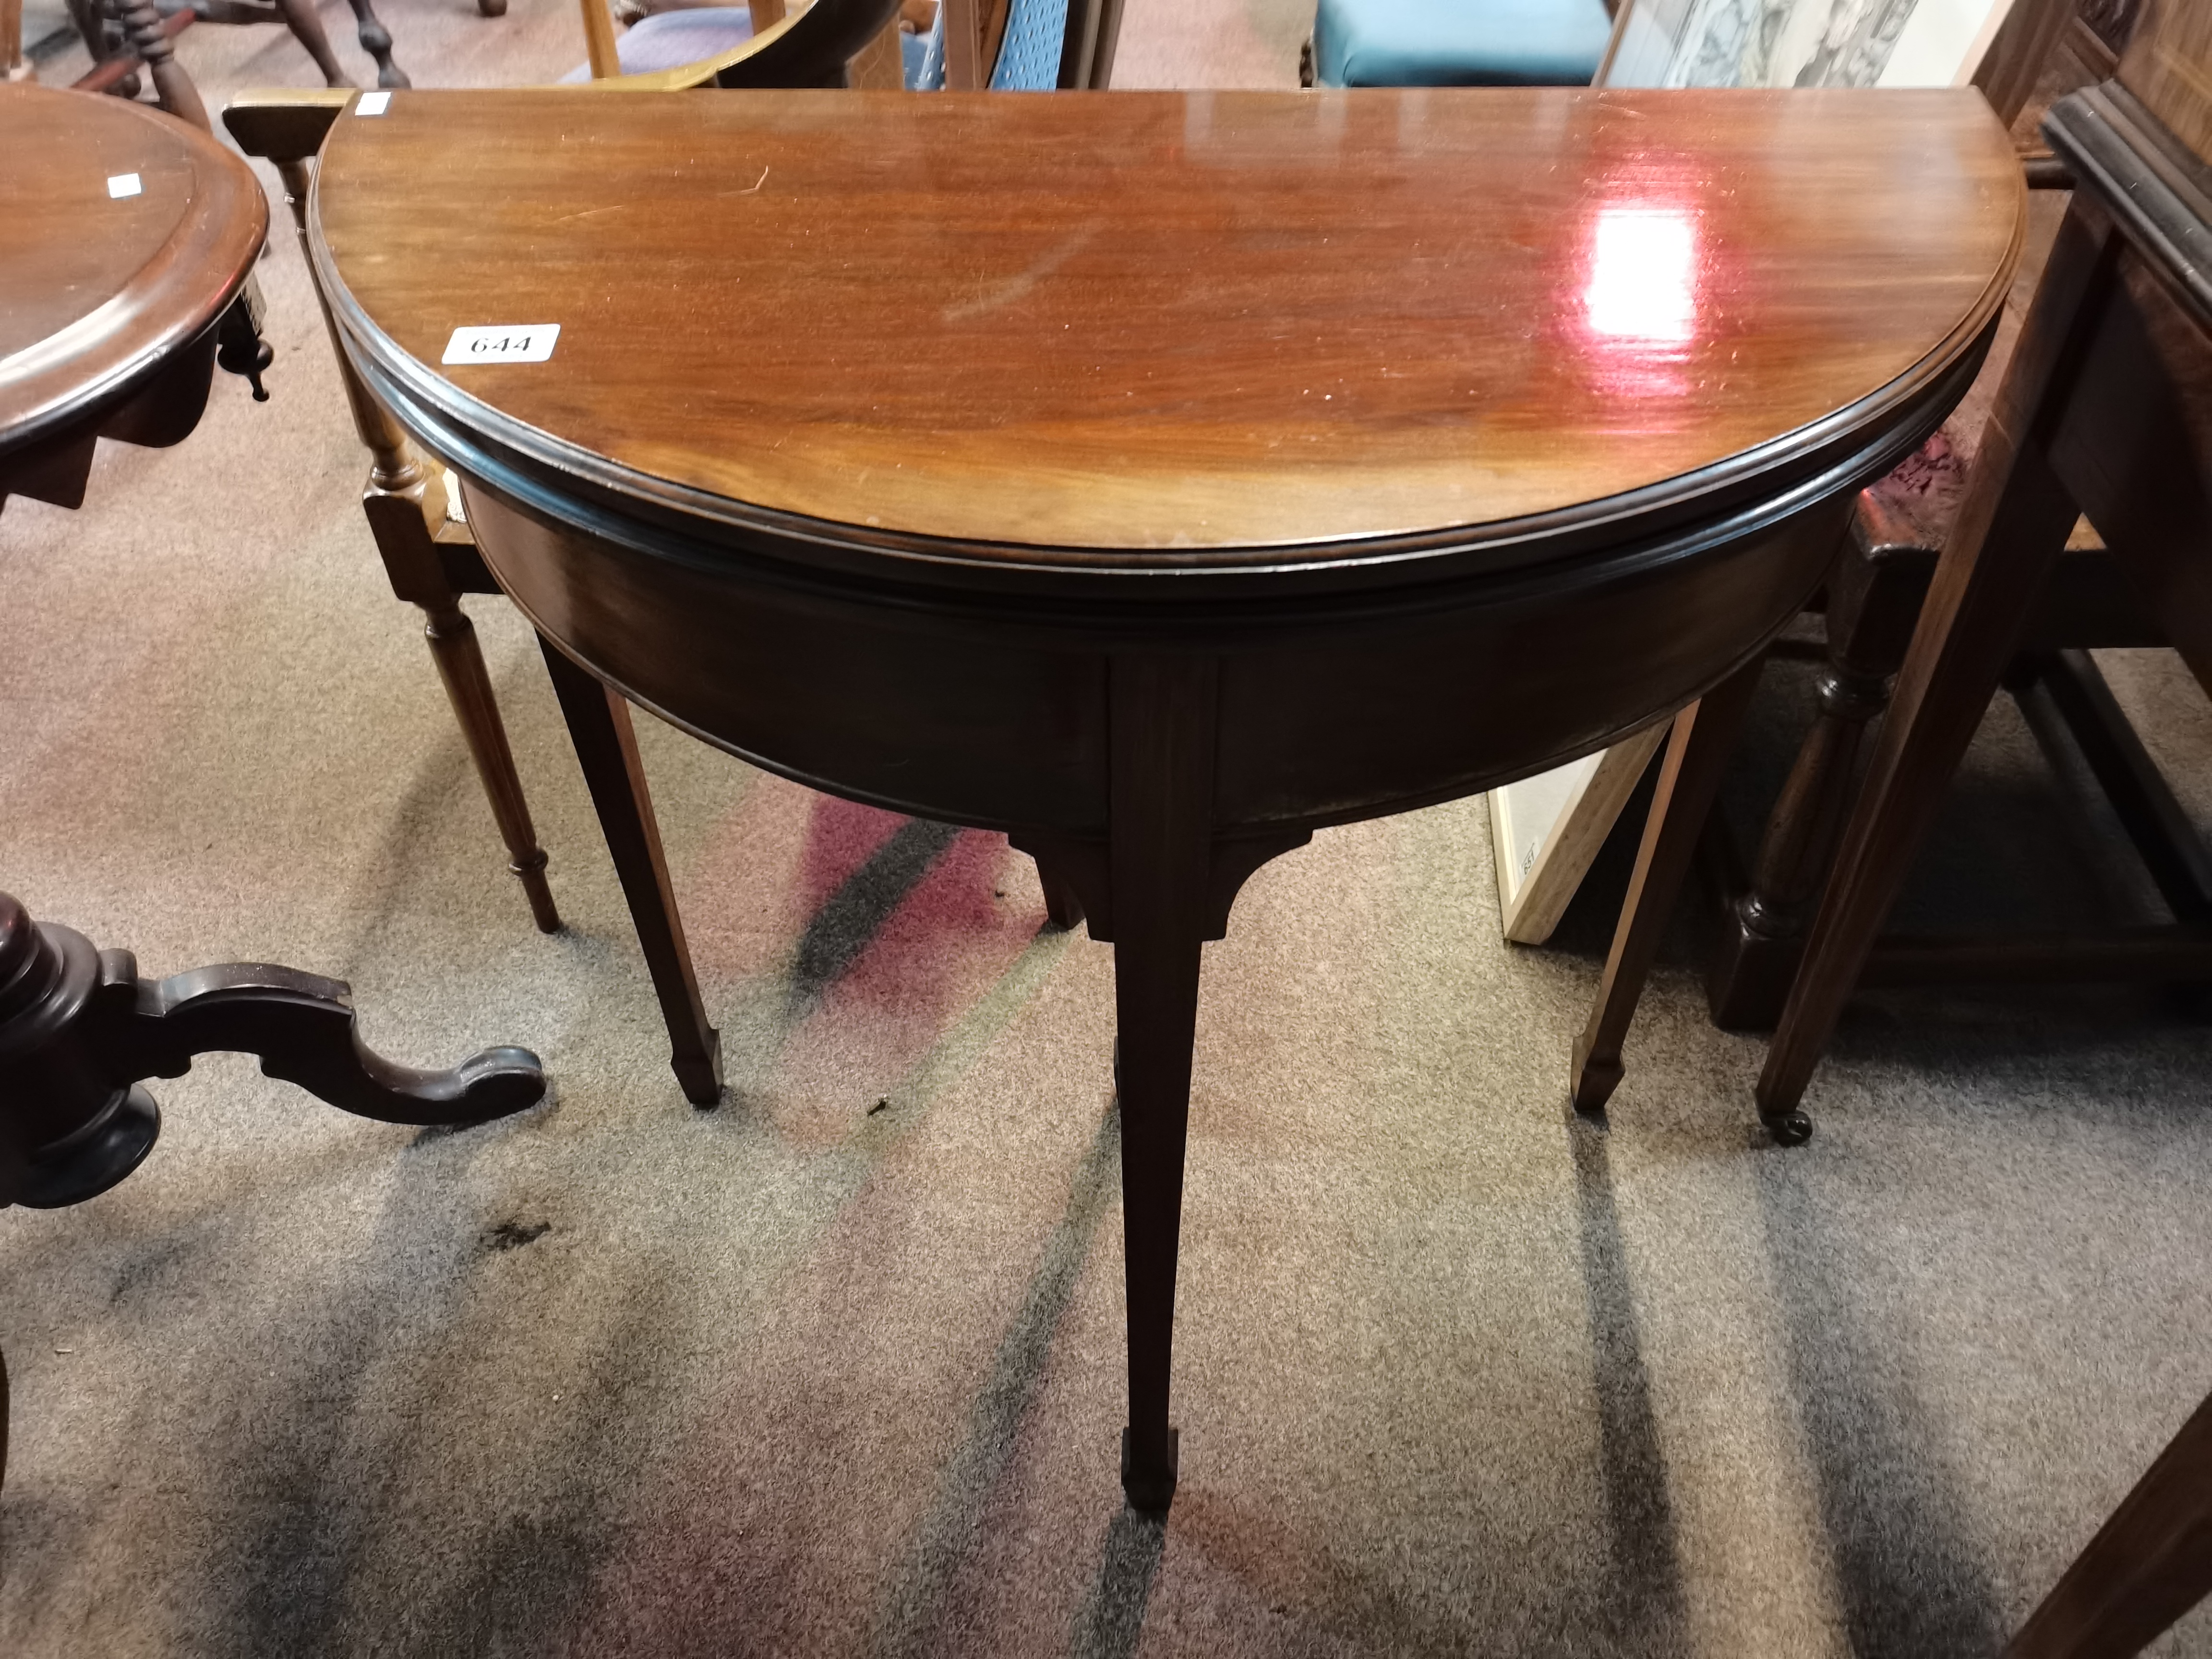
{"x": 1791, "y": 1129}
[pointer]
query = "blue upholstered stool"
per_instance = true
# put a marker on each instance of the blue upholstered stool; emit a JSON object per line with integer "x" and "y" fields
{"x": 1459, "y": 43}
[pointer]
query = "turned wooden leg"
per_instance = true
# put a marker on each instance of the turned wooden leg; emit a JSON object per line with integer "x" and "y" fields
{"x": 606, "y": 748}
{"x": 1160, "y": 854}
{"x": 2016, "y": 511}
{"x": 1698, "y": 751}
{"x": 2149, "y": 1565}
{"x": 460, "y": 662}
{"x": 307, "y": 29}
{"x": 102, "y": 34}
{"x": 1874, "y": 596}
{"x": 405, "y": 502}
{"x": 142, "y": 24}
{"x": 376, "y": 41}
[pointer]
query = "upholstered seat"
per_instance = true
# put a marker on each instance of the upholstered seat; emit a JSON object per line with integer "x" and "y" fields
{"x": 670, "y": 39}
{"x": 1459, "y": 43}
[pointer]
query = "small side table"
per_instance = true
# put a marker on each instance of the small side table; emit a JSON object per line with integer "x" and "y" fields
{"x": 123, "y": 278}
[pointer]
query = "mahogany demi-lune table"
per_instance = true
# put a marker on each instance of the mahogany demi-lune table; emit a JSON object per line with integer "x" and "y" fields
{"x": 1156, "y": 477}
{"x": 126, "y": 241}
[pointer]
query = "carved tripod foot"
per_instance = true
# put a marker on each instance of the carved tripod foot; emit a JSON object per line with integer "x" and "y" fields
{"x": 79, "y": 1029}
{"x": 376, "y": 41}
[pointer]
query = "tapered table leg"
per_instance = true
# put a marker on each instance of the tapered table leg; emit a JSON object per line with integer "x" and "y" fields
{"x": 606, "y": 748}
{"x": 1698, "y": 750}
{"x": 1161, "y": 804}
{"x": 2012, "y": 525}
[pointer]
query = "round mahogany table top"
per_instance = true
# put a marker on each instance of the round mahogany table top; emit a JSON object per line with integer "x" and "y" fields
{"x": 126, "y": 233}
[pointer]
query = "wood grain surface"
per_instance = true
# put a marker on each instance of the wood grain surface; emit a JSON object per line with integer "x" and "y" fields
{"x": 2168, "y": 65}
{"x": 93, "y": 288}
{"x": 1147, "y": 329}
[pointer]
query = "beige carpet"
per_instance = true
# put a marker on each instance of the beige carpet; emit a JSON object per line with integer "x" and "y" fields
{"x": 836, "y": 1369}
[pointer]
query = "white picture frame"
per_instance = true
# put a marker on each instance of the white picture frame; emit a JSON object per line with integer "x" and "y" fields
{"x": 1545, "y": 830}
{"x": 1800, "y": 43}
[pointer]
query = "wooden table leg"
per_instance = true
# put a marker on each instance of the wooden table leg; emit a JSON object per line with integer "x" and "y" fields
{"x": 2149, "y": 1565}
{"x": 14, "y": 67}
{"x": 2017, "y": 513}
{"x": 376, "y": 40}
{"x": 1698, "y": 751}
{"x": 459, "y": 660}
{"x": 307, "y": 29}
{"x": 405, "y": 502}
{"x": 1162, "y": 716}
{"x": 1875, "y": 595}
{"x": 606, "y": 748}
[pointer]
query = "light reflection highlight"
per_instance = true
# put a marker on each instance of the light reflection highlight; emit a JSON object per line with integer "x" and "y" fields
{"x": 1642, "y": 281}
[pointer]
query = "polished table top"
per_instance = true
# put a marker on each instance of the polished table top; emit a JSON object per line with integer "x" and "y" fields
{"x": 123, "y": 233}
{"x": 1171, "y": 324}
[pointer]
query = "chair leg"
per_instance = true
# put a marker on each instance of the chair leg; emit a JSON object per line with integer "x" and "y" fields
{"x": 2016, "y": 511}
{"x": 1698, "y": 751}
{"x": 606, "y": 748}
{"x": 307, "y": 29}
{"x": 2149, "y": 1565}
{"x": 460, "y": 663}
{"x": 1763, "y": 927}
{"x": 376, "y": 41}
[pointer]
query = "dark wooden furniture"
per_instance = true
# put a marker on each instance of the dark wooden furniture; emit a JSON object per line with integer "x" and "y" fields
{"x": 2101, "y": 411}
{"x": 1873, "y": 599}
{"x": 1093, "y": 484}
{"x": 109, "y": 33}
{"x": 2149, "y": 1565}
{"x": 131, "y": 238}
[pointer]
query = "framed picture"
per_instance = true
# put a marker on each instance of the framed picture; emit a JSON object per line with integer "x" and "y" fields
{"x": 1545, "y": 830}
{"x": 1800, "y": 43}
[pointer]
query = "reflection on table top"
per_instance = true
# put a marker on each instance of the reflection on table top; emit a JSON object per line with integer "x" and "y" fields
{"x": 1171, "y": 321}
